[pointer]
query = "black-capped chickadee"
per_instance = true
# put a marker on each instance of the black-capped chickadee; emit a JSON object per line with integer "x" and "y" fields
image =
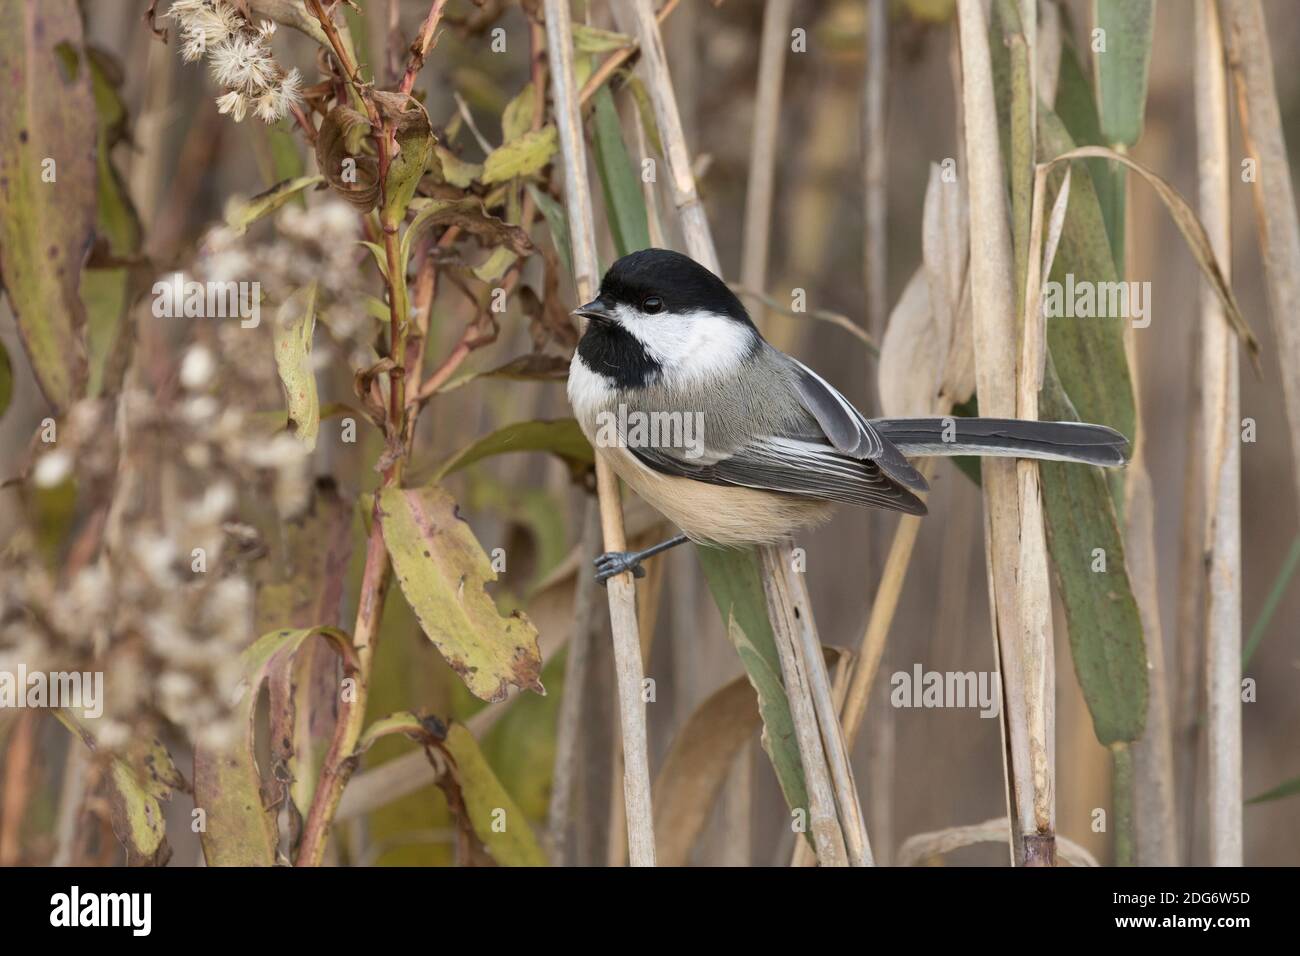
{"x": 736, "y": 442}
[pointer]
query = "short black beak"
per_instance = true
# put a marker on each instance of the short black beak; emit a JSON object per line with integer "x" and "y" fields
{"x": 595, "y": 310}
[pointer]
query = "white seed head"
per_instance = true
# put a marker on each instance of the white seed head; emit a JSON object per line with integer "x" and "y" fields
{"x": 197, "y": 367}
{"x": 200, "y": 409}
{"x": 112, "y": 734}
{"x": 234, "y": 103}
{"x": 52, "y": 468}
{"x": 244, "y": 64}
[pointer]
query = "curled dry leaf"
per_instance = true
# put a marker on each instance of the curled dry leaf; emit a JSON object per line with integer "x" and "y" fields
{"x": 151, "y": 18}
{"x": 921, "y": 847}
{"x": 472, "y": 219}
{"x": 945, "y": 252}
{"x": 1189, "y": 224}
{"x": 350, "y": 172}
{"x": 365, "y": 383}
{"x": 910, "y": 353}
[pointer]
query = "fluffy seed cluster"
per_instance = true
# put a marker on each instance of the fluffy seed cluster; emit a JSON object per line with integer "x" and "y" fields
{"x": 171, "y": 489}
{"x": 239, "y": 57}
{"x": 316, "y": 243}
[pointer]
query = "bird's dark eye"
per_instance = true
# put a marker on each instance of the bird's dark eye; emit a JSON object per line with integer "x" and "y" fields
{"x": 652, "y": 304}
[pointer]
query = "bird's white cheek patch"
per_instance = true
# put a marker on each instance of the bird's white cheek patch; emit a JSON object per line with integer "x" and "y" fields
{"x": 588, "y": 391}
{"x": 695, "y": 345}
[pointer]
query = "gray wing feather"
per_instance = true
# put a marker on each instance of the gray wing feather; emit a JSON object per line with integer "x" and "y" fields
{"x": 843, "y": 424}
{"x": 819, "y": 446}
{"x": 793, "y": 467}
{"x": 848, "y": 430}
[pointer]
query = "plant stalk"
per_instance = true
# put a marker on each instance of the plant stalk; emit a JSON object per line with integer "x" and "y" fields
{"x": 621, "y": 590}
{"x": 789, "y": 607}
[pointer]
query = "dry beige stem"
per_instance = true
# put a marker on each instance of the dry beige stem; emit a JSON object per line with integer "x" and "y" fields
{"x": 786, "y": 589}
{"x": 575, "y": 669}
{"x": 1219, "y": 378}
{"x": 917, "y": 849}
{"x": 875, "y": 247}
{"x": 995, "y": 375}
{"x": 1275, "y": 209}
{"x": 622, "y": 597}
{"x": 762, "y": 152}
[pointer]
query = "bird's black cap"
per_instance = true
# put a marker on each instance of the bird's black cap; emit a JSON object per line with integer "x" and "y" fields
{"x": 682, "y": 283}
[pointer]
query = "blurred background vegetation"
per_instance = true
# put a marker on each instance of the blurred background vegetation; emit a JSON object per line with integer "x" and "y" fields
{"x": 919, "y": 769}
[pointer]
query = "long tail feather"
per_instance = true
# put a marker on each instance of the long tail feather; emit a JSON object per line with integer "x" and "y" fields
{"x": 1005, "y": 438}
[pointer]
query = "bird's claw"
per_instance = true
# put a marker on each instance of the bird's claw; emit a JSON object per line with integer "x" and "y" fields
{"x": 613, "y": 563}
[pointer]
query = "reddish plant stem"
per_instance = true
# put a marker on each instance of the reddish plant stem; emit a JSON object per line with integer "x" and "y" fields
{"x": 420, "y": 48}
{"x": 341, "y": 759}
{"x": 396, "y": 333}
{"x": 305, "y": 124}
{"x": 471, "y": 338}
{"x": 17, "y": 787}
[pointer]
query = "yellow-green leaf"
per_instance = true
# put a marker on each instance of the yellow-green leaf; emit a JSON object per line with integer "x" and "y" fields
{"x": 496, "y": 818}
{"x": 1105, "y": 629}
{"x": 47, "y": 186}
{"x": 624, "y": 202}
{"x": 518, "y": 116}
{"x": 228, "y": 786}
{"x": 455, "y": 170}
{"x": 414, "y": 135}
{"x": 557, "y": 222}
{"x": 442, "y": 571}
{"x": 240, "y": 213}
{"x": 295, "y": 323}
{"x": 381, "y": 257}
{"x": 104, "y": 293}
{"x": 117, "y": 220}
{"x": 561, "y": 437}
{"x": 139, "y": 779}
{"x": 594, "y": 40}
{"x": 495, "y": 266}
{"x": 6, "y": 380}
{"x": 522, "y": 157}
{"x": 645, "y": 109}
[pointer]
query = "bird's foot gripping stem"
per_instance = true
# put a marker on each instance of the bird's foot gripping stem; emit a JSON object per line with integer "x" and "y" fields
{"x": 613, "y": 563}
